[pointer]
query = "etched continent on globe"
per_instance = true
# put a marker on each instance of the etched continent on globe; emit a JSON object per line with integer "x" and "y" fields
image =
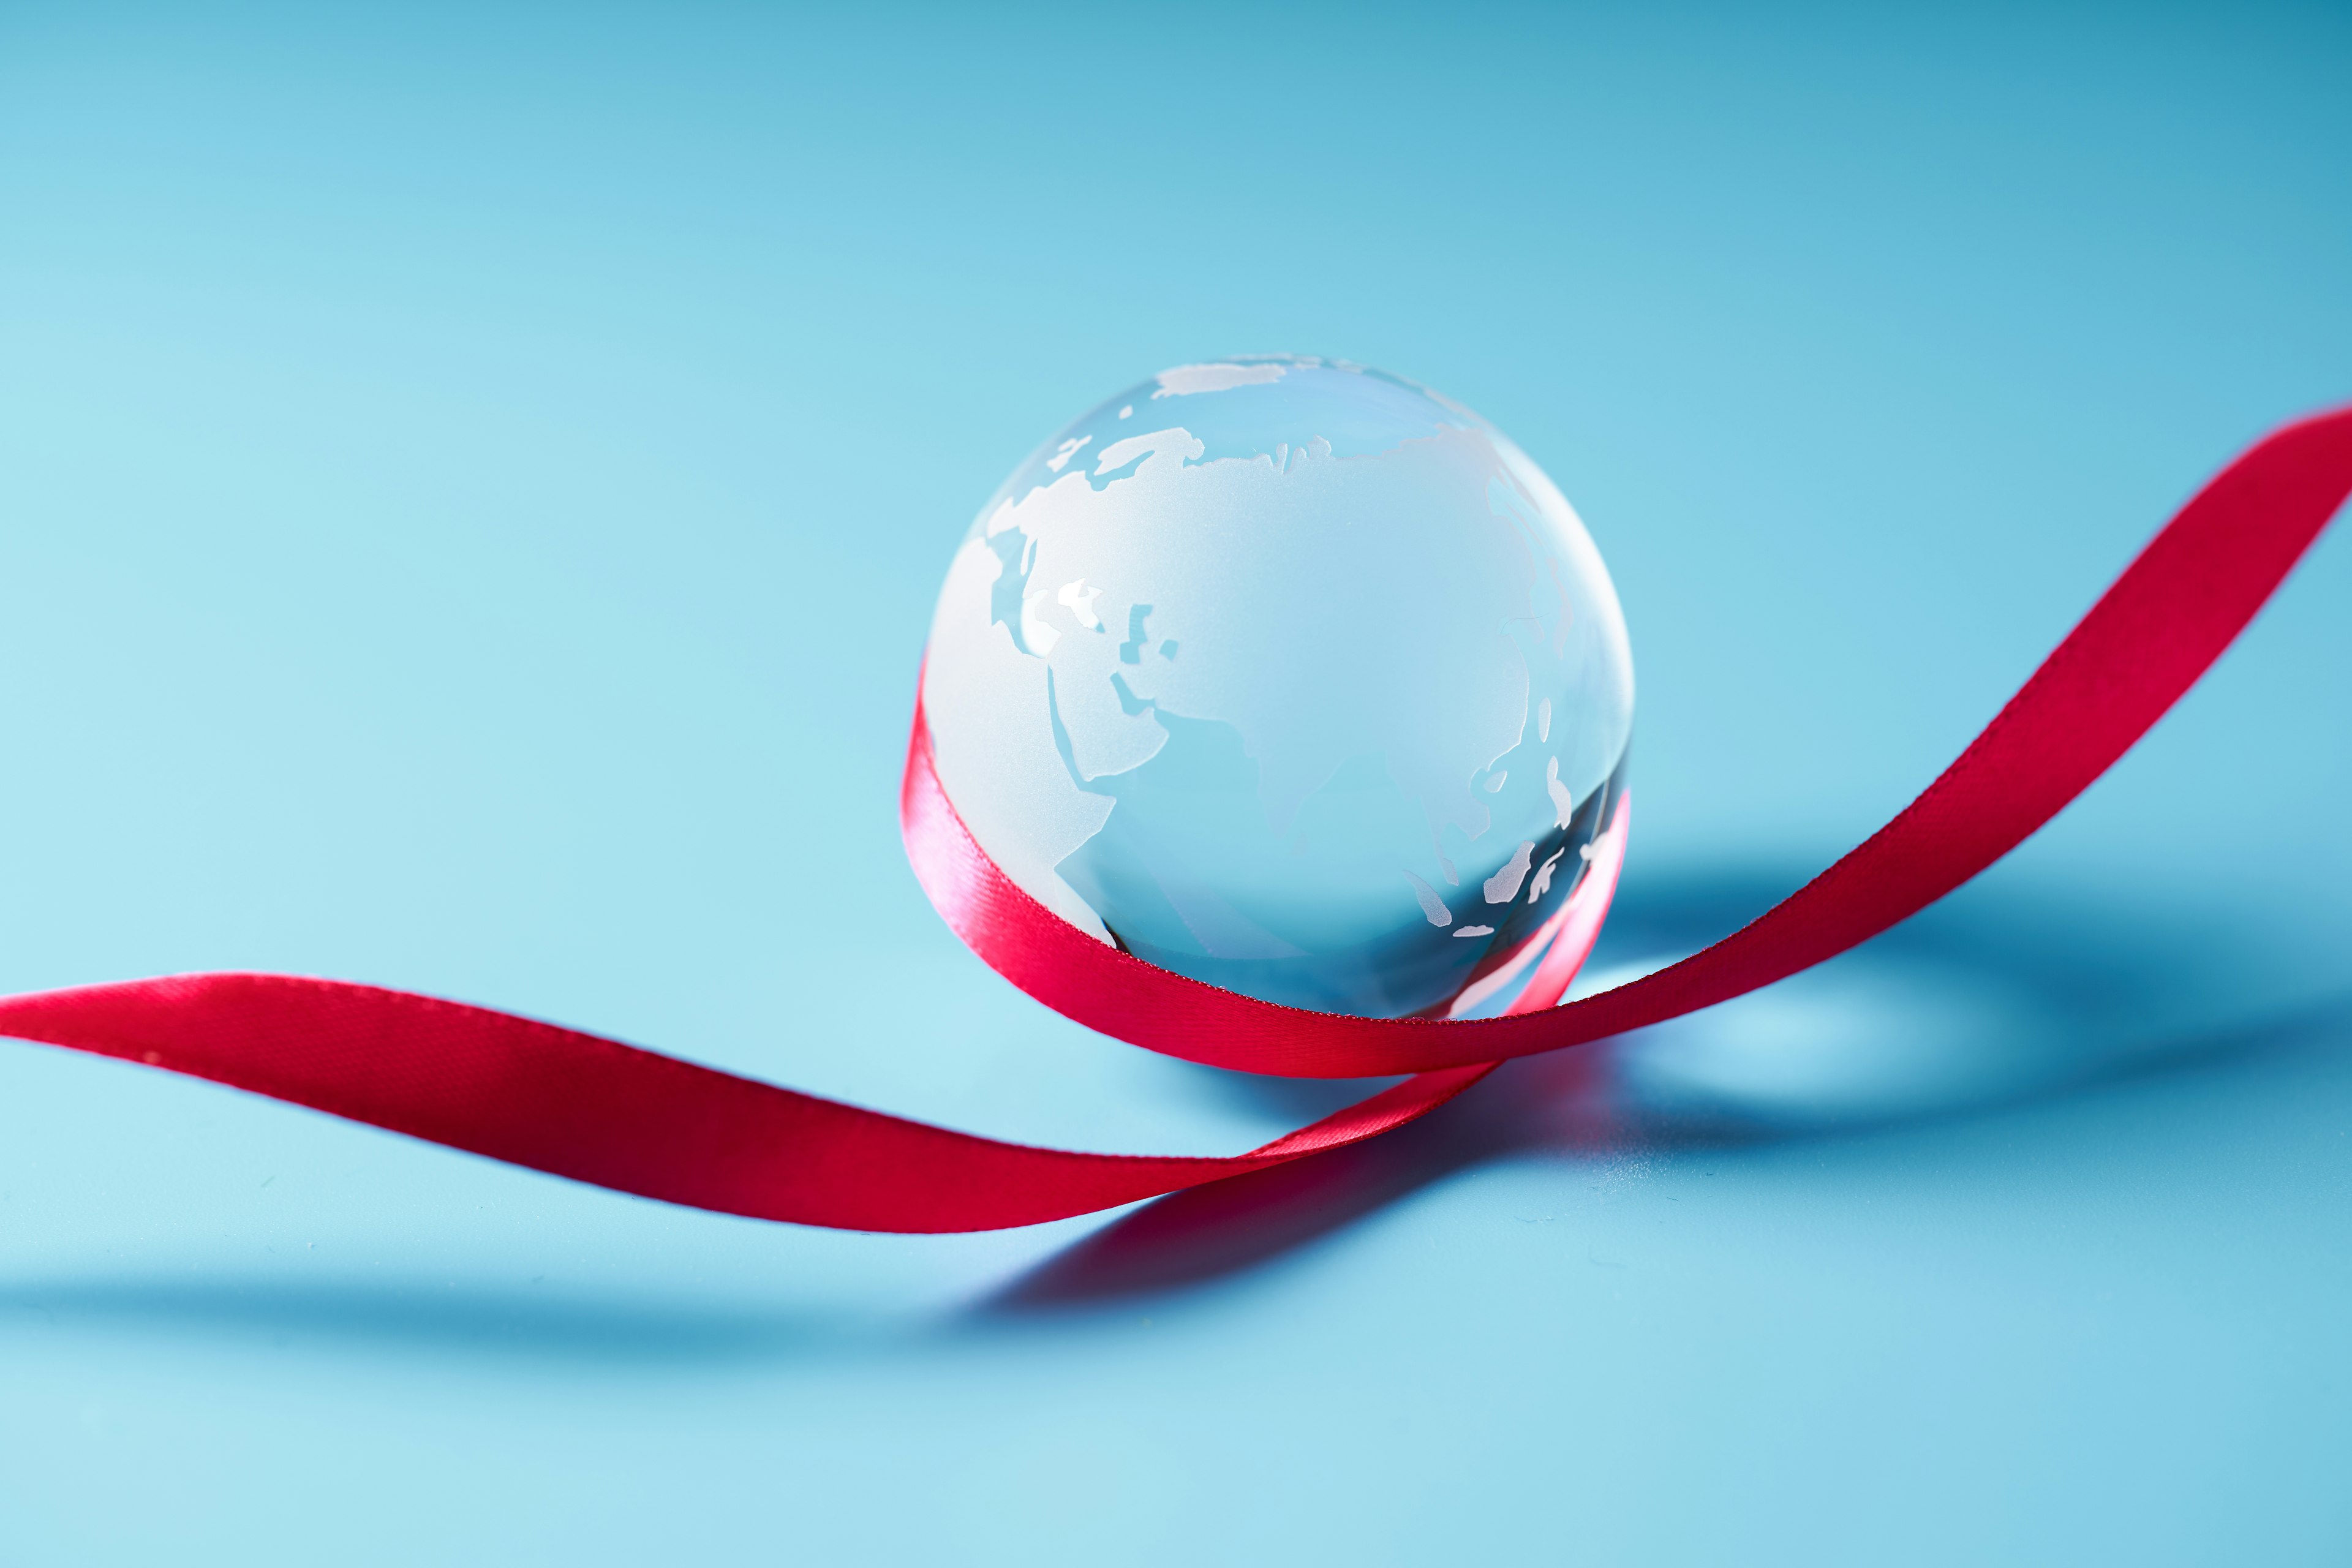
{"x": 1289, "y": 675}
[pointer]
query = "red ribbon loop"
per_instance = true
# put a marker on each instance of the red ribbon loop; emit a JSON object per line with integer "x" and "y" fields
{"x": 593, "y": 1110}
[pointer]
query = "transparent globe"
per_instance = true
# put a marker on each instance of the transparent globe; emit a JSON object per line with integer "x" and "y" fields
{"x": 1289, "y": 675}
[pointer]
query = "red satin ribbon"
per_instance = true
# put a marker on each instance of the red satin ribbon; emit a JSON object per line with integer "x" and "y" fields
{"x": 596, "y": 1111}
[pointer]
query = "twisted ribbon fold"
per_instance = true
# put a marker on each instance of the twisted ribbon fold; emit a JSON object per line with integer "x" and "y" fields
{"x": 596, "y": 1111}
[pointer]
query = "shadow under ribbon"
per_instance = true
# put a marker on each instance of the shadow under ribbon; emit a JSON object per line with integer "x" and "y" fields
{"x": 1998, "y": 998}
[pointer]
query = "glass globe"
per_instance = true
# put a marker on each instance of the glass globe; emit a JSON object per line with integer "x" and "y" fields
{"x": 1289, "y": 675}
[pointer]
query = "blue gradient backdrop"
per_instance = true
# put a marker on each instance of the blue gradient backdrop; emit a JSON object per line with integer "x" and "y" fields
{"x": 471, "y": 492}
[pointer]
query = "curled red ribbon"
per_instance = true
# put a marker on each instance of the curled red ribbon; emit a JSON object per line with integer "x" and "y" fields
{"x": 596, "y": 1111}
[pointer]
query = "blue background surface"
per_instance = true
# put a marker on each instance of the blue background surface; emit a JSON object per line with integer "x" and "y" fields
{"x": 471, "y": 494}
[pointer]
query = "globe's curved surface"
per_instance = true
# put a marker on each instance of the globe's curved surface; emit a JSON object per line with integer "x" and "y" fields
{"x": 1292, "y": 677}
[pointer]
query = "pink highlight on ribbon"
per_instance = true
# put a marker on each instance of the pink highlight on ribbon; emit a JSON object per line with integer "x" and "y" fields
{"x": 596, "y": 1111}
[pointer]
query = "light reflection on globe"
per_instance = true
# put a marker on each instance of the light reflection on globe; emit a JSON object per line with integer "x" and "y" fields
{"x": 1289, "y": 675}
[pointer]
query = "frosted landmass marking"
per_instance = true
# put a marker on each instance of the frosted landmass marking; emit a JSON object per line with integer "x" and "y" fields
{"x": 1543, "y": 720}
{"x": 1187, "y": 379}
{"x": 1542, "y": 883}
{"x": 1432, "y": 907}
{"x": 1038, "y": 635}
{"x": 1066, "y": 451}
{"x": 1079, "y": 600}
{"x": 1118, "y": 455}
{"x": 1503, "y": 885}
{"x": 1475, "y": 930}
{"x": 1563, "y": 802}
